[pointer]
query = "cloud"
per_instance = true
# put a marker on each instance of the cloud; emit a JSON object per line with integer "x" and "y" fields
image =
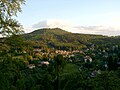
{"x": 53, "y": 24}
{"x": 101, "y": 30}
{"x": 42, "y": 24}
{"x": 28, "y": 29}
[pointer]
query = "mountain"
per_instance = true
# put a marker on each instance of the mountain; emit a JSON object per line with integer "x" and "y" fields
{"x": 61, "y": 39}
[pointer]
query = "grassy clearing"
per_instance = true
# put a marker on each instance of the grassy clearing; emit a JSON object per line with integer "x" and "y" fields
{"x": 70, "y": 68}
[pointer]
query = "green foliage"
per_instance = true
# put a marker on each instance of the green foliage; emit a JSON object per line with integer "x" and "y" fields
{"x": 16, "y": 54}
{"x": 60, "y": 39}
{"x": 8, "y": 9}
{"x": 112, "y": 63}
{"x": 39, "y": 56}
{"x": 59, "y": 62}
{"x": 15, "y": 40}
{"x": 105, "y": 81}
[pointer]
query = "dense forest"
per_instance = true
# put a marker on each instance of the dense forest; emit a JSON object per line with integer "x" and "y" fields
{"x": 53, "y": 59}
{"x": 61, "y": 39}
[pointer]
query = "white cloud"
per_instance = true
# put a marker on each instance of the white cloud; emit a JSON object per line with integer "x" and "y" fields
{"x": 102, "y": 30}
{"x": 28, "y": 29}
{"x": 53, "y": 24}
{"x": 42, "y": 24}
{"x": 105, "y": 29}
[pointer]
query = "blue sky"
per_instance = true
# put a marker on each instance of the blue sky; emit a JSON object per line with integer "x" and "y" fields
{"x": 80, "y": 12}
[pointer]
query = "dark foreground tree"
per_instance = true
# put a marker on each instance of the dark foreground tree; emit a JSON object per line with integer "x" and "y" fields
{"x": 105, "y": 81}
{"x": 59, "y": 65}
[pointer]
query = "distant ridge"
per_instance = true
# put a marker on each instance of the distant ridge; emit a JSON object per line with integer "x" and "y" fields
{"x": 61, "y": 39}
{"x": 50, "y": 31}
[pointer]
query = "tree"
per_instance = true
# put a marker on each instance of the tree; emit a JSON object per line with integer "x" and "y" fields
{"x": 59, "y": 65}
{"x": 112, "y": 63}
{"x": 15, "y": 41}
{"x": 8, "y": 9}
{"x": 105, "y": 81}
{"x": 76, "y": 81}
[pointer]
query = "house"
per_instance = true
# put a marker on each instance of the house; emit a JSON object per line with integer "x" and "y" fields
{"x": 94, "y": 73}
{"x": 31, "y": 66}
{"x": 37, "y": 50}
{"x": 87, "y": 59}
{"x": 45, "y": 63}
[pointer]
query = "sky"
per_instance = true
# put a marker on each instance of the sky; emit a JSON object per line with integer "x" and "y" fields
{"x": 77, "y": 16}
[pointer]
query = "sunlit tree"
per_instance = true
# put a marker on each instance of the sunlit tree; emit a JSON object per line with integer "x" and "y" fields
{"x": 8, "y": 9}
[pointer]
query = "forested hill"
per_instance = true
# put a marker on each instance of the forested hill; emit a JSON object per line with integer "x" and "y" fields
{"x": 61, "y": 39}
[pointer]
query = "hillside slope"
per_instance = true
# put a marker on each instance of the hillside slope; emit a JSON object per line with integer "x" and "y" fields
{"x": 61, "y": 39}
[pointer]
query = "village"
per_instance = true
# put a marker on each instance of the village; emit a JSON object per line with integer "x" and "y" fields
{"x": 87, "y": 58}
